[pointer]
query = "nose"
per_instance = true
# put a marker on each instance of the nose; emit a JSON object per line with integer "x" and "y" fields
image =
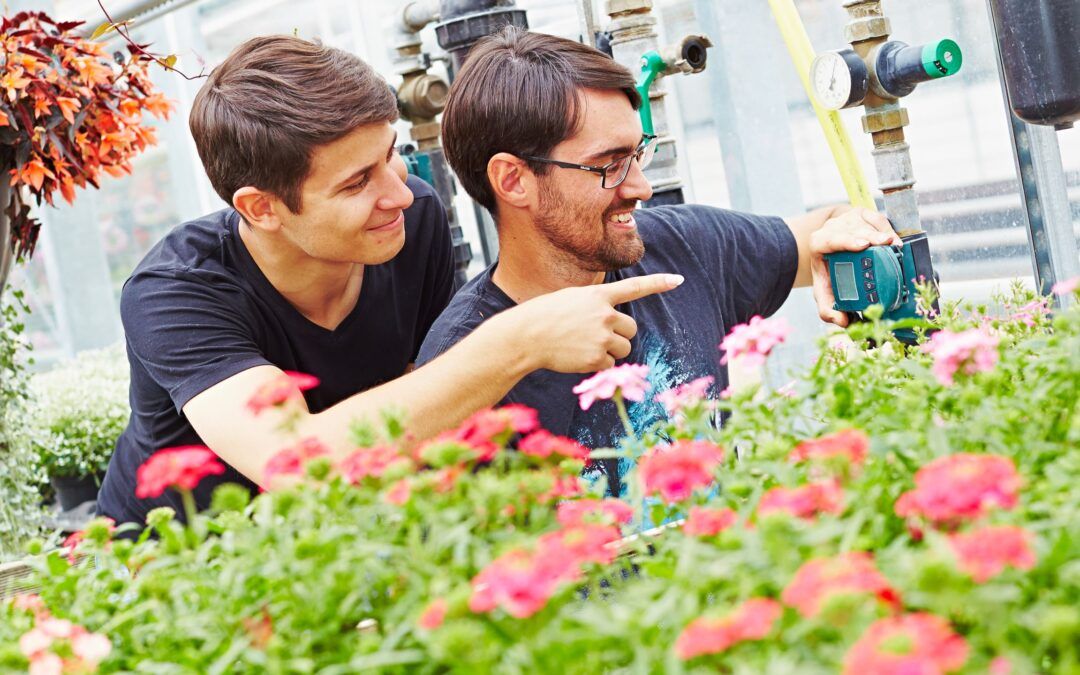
{"x": 636, "y": 186}
{"x": 397, "y": 194}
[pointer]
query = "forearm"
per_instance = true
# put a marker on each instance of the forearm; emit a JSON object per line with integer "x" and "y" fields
{"x": 476, "y": 373}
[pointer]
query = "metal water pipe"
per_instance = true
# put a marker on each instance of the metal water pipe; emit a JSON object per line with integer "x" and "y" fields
{"x": 462, "y": 23}
{"x": 421, "y": 97}
{"x": 634, "y": 43}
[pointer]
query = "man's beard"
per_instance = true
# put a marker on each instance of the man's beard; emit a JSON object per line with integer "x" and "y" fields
{"x": 568, "y": 229}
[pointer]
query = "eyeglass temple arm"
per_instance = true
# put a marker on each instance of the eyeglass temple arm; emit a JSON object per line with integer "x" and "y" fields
{"x": 652, "y": 64}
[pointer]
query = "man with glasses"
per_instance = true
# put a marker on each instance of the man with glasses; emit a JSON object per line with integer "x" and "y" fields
{"x": 543, "y": 132}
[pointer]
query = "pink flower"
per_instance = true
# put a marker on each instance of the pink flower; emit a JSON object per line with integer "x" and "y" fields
{"x": 181, "y": 467}
{"x": 486, "y": 431}
{"x": 365, "y": 462}
{"x": 629, "y": 379}
{"x": 520, "y": 582}
{"x": 985, "y": 553}
{"x": 544, "y": 444}
{"x": 29, "y": 602}
{"x": 1065, "y": 287}
{"x": 753, "y": 341}
{"x": 91, "y": 648}
{"x": 57, "y": 629}
{"x": 434, "y": 615}
{"x": 703, "y": 522}
{"x": 970, "y": 351}
{"x": 1000, "y": 666}
{"x": 34, "y": 641}
{"x": 399, "y": 493}
{"x": 903, "y": 645}
{"x": 685, "y": 395}
{"x": 579, "y": 511}
{"x": 850, "y": 444}
{"x": 46, "y": 663}
{"x": 803, "y": 502}
{"x": 960, "y": 487}
{"x": 676, "y": 470}
{"x": 821, "y": 578}
{"x": 581, "y": 544}
{"x": 564, "y": 487}
{"x": 1030, "y": 313}
{"x": 285, "y": 387}
{"x": 291, "y": 461}
{"x": 753, "y": 620}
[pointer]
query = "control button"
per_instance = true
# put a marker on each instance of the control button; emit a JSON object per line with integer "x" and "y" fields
{"x": 868, "y": 275}
{"x": 869, "y": 285}
{"x": 872, "y": 297}
{"x": 867, "y": 263}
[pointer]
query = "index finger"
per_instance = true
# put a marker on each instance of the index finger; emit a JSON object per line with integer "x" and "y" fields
{"x": 880, "y": 223}
{"x": 634, "y": 288}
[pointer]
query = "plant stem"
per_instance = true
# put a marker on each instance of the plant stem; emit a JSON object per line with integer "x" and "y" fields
{"x": 620, "y": 405}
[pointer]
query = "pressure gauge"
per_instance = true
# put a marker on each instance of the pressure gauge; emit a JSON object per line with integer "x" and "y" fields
{"x": 840, "y": 79}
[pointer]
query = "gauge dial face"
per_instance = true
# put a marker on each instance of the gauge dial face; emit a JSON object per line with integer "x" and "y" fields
{"x": 831, "y": 80}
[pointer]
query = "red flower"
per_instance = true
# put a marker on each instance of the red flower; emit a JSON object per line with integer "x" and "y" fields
{"x": 821, "y": 578}
{"x": 365, "y": 462}
{"x": 961, "y": 487}
{"x": 902, "y": 645}
{"x": 581, "y": 544}
{"x": 803, "y": 502}
{"x": 986, "y": 552}
{"x": 578, "y": 511}
{"x": 564, "y": 487}
{"x": 753, "y": 620}
{"x": 399, "y": 493}
{"x": 702, "y": 522}
{"x": 488, "y": 430}
{"x": 181, "y": 467}
{"x": 544, "y": 444}
{"x": 434, "y": 615}
{"x": 676, "y": 470}
{"x": 285, "y": 387}
{"x": 850, "y": 443}
{"x": 291, "y": 461}
{"x": 520, "y": 582}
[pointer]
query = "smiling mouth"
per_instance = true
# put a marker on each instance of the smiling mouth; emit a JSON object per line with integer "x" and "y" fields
{"x": 393, "y": 224}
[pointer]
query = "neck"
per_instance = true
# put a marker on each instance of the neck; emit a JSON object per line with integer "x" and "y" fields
{"x": 530, "y": 266}
{"x": 325, "y": 292}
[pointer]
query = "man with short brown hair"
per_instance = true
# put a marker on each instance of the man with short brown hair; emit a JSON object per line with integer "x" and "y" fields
{"x": 543, "y": 132}
{"x": 329, "y": 261}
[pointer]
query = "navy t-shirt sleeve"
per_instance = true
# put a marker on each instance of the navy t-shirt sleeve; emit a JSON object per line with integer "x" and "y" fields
{"x": 752, "y": 260}
{"x": 188, "y": 333}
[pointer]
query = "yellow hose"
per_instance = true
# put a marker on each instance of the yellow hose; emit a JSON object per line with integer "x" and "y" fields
{"x": 802, "y": 54}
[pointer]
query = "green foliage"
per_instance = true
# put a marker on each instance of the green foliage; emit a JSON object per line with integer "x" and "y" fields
{"x": 329, "y": 577}
{"x": 20, "y": 515}
{"x": 79, "y": 410}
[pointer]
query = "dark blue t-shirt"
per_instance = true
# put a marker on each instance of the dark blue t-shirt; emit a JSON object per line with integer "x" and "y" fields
{"x": 198, "y": 310}
{"x": 736, "y": 265}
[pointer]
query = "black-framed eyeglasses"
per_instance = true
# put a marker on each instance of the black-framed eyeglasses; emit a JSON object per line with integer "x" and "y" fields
{"x": 614, "y": 172}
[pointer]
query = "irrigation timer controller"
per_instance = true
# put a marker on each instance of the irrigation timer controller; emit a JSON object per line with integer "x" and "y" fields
{"x": 881, "y": 275}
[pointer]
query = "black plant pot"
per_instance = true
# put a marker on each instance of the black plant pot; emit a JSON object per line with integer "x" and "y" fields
{"x": 74, "y": 490}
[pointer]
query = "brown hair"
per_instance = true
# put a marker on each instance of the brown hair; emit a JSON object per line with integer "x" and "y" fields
{"x": 518, "y": 93}
{"x": 260, "y": 115}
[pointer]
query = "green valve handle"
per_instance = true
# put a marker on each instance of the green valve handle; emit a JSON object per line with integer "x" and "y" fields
{"x": 652, "y": 64}
{"x": 900, "y": 66}
{"x": 942, "y": 58}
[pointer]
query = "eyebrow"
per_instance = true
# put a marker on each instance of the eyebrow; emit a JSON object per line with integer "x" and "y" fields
{"x": 359, "y": 173}
{"x": 620, "y": 150}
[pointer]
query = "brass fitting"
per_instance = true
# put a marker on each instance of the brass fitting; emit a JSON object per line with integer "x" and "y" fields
{"x": 422, "y": 96}
{"x": 885, "y": 120}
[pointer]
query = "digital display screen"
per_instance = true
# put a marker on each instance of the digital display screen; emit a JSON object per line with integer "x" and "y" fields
{"x": 845, "y": 281}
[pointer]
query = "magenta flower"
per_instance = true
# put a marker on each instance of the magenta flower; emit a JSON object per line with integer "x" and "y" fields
{"x": 684, "y": 395}
{"x": 1065, "y": 287}
{"x": 629, "y": 379}
{"x": 753, "y": 341}
{"x": 970, "y": 351}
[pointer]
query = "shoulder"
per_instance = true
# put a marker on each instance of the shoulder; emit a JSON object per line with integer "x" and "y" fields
{"x": 190, "y": 246}
{"x": 476, "y": 302}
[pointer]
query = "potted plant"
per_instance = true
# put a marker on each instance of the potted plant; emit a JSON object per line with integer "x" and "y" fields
{"x": 77, "y": 412}
{"x": 68, "y": 113}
